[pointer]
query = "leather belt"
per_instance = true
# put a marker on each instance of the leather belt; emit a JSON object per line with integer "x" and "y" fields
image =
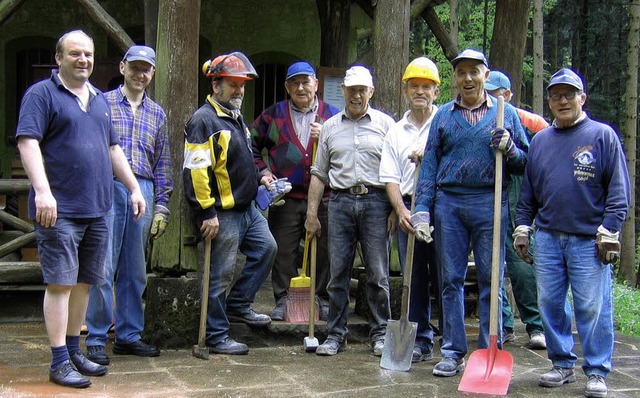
{"x": 360, "y": 189}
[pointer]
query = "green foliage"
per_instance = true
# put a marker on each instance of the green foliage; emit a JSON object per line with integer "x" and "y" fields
{"x": 626, "y": 309}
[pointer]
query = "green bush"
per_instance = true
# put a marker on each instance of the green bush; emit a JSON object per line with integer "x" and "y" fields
{"x": 626, "y": 309}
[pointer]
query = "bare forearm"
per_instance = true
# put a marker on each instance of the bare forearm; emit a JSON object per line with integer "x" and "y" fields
{"x": 316, "y": 189}
{"x": 33, "y": 165}
{"x": 122, "y": 170}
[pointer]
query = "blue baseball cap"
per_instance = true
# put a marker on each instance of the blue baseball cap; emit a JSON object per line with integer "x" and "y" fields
{"x": 300, "y": 68}
{"x": 141, "y": 53}
{"x": 566, "y": 76}
{"x": 497, "y": 80}
{"x": 470, "y": 53}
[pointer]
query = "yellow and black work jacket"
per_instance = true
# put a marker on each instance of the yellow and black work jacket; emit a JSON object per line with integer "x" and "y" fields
{"x": 219, "y": 172}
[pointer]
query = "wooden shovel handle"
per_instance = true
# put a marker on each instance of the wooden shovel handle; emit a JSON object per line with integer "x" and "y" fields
{"x": 494, "y": 309}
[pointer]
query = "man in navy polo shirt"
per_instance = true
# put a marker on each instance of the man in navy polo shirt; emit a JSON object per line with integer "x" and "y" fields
{"x": 71, "y": 152}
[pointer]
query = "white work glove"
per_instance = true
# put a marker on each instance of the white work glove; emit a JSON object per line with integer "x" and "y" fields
{"x": 279, "y": 188}
{"x": 273, "y": 195}
{"x": 421, "y": 226}
{"x": 521, "y": 236}
{"x": 160, "y": 221}
{"x": 607, "y": 245}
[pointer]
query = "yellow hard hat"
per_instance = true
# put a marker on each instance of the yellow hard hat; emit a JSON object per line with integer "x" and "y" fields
{"x": 421, "y": 68}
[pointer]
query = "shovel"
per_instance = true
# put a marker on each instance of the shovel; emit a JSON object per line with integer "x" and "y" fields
{"x": 489, "y": 369}
{"x": 201, "y": 350}
{"x": 310, "y": 342}
{"x": 401, "y": 334}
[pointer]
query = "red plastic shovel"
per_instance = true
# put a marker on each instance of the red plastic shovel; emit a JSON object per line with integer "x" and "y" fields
{"x": 489, "y": 369}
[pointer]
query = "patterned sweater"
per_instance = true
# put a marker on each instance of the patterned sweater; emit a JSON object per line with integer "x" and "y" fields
{"x": 273, "y": 131}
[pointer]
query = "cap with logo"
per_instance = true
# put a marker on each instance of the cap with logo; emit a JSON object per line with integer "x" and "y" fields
{"x": 300, "y": 68}
{"x": 497, "y": 80}
{"x": 566, "y": 76}
{"x": 141, "y": 53}
{"x": 470, "y": 53}
{"x": 358, "y": 76}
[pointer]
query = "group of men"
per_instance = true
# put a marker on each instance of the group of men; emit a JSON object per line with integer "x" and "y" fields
{"x": 345, "y": 177}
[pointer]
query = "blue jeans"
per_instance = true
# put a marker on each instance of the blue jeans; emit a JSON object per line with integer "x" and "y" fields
{"x": 423, "y": 278}
{"x": 459, "y": 220}
{"x": 247, "y": 232}
{"x": 353, "y": 219}
{"x": 125, "y": 268}
{"x": 564, "y": 260}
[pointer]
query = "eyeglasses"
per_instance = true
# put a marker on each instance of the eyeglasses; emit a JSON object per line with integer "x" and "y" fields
{"x": 145, "y": 71}
{"x": 568, "y": 96}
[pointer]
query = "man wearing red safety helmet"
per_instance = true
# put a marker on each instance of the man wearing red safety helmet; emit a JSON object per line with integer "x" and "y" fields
{"x": 221, "y": 181}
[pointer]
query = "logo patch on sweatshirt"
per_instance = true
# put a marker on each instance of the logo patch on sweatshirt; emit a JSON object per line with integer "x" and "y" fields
{"x": 584, "y": 164}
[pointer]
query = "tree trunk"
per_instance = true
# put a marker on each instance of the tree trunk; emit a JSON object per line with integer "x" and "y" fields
{"x": 334, "y": 37}
{"x": 151, "y": 33}
{"x": 454, "y": 25}
{"x": 449, "y": 46}
{"x": 391, "y": 51}
{"x": 628, "y": 255}
{"x": 178, "y": 23}
{"x": 538, "y": 57}
{"x": 106, "y": 22}
{"x": 508, "y": 41}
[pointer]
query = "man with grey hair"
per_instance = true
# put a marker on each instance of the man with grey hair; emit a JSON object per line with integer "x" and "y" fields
{"x": 348, "y": 158}
{"x": 455, "y": 192}
{"x": 71, "y": 152}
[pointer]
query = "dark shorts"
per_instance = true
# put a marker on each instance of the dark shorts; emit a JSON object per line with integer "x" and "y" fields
{"x": 73, "y": 251}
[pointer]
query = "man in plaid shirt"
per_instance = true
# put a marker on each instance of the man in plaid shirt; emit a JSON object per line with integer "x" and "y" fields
{"x": 141, "y": 126}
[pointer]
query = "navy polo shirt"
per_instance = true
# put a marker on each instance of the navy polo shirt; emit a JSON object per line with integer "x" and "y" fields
{"x": 75, "y": 147}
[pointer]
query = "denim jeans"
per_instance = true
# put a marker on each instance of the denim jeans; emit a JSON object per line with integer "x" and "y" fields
{"x": 126, "y": 263}
{"x": 286, "y": 223}
{"x": 246, "y": 232}
{"x": 363, "y": 219}
{"x": 562, "y": 260}
{"x": 423, "y": 280}
{"x": 459, "y": 220}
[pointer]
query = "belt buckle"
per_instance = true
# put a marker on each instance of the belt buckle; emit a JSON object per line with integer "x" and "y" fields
{"x": 359, "y": 190}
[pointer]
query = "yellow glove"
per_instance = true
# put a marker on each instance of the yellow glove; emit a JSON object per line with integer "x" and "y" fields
{"x": 160, "y": 221}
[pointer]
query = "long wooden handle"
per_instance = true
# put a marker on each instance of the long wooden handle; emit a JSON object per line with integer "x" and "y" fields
{"x": 408, "y": 262}
{"x": 205, "y": 292}
{"x": 497, "y": 217}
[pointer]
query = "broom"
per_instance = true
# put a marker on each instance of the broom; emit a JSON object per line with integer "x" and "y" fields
{"x": 298, "y": 300}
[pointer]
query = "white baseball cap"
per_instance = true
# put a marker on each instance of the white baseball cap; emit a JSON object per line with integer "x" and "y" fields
{"x": 358, "y": 76}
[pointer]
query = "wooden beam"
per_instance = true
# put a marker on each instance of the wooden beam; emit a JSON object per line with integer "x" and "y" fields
{"x": 14, "y": 186}
{"x": 15, "y": 222}
{"x": 7, "y": 7}
{"x": 106, "y": 22}
{"x": 17, "y": 243}
{"x": 20, "y": 272}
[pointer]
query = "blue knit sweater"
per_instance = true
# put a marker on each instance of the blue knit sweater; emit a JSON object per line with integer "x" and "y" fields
{"x": 458, "y": 156}
{"x": 576, "y": 179}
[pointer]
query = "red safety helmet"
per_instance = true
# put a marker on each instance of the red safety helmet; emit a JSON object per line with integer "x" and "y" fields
{"x": 235, "y": 64}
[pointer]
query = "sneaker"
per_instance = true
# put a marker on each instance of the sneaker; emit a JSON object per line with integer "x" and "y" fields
{"x": 537, "y": 341}
{"x": 557, "y": 377}
{"x": 250, "y": 317}
{"x": 377, "y": 347}
{"x": 230, "y": 347}
{"x": 138, "y": 348}
{"x": 421, "y": 354}
{"x": 67, "y": 375}
{"x": 596, "y": 387}
{"x": 331, "y": 347}
{"x": 86, "y": 367}
{"x": 278, "y": 311}
{"x": 97, "y": 354}
{"x": 508, "y": 336}
{"x": 448, "y": 367}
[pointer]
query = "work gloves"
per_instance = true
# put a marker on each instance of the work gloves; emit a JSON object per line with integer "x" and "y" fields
{"x": 160, "y": 221}
{"x": 521, "y": 237}
{"x": 272, "y": 196}
{"x": 501, "y": 140}
{"x": 421, "y": 226}
{"x": 607, "y": 245}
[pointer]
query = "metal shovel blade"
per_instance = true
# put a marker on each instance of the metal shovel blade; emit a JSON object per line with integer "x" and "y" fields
{"x": 398, "y": 345}
{"x": 488, "y": 371}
